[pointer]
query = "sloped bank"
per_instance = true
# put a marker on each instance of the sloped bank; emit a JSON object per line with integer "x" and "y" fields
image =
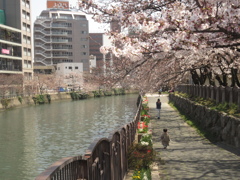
{"x": 226, "y": 128}
{"x": 41, "y": 99}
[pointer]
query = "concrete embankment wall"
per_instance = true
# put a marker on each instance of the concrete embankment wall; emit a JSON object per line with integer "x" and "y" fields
{"x": 226, "y": 128}
{"x": 28, "y": 100}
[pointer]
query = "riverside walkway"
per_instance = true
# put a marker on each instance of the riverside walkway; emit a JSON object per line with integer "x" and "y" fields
{"x": 189, "y": 156}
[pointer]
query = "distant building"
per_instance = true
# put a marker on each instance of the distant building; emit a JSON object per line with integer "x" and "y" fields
{"x": 115, "y": 26}
{"x": 92, "y": 62}
{"x": 15, "y": 32}
{"x": 71, "y": 74}
{"x": 60, "y": 36}
{"x": 96, "y": 40}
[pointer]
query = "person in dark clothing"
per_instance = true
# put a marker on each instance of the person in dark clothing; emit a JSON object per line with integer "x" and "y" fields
{"x": 158, "y": 106}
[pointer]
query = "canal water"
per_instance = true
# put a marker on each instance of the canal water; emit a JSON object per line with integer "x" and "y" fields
{"x": 32, "y": 138}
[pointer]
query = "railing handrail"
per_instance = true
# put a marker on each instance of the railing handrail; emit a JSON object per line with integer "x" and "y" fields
{"x": 46, "y": 175}
{"x": 94, "y": 157}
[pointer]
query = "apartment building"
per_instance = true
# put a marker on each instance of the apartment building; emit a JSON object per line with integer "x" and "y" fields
{"x": 11, "y": 50}
{"x": 15, "y": 32}
{"x": 60, "y": 36}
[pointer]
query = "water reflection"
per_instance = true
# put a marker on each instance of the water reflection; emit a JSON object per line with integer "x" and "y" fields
{"x": 32, "y": 138}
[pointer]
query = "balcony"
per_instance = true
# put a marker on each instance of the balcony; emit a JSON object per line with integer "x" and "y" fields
{"x": 9, "y": 35}
{"x": 60, "y": 41}
{"x": 10, "y": 65}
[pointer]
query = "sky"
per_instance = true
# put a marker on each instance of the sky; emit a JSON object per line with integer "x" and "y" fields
{"x": 38, "y": 6}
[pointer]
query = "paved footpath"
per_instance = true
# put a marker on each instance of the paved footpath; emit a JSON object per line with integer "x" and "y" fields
{"x": 189, "y": 155}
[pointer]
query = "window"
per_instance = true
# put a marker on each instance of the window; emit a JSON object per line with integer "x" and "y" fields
{"x": 84, "y": 39}
{"x": 24, "y": 26}
{"x": 27, "y": 4}
{"x": 25, "y": 51}
{"x": 24, "y": 39}
{"x": 76, "y": 67}
{"x": 24, "y": 14}
{"x": 29, "y": 64}
{"x": 29, "y": 52}
{"x": 23, "y": 2}
{"x": 28, "y": 40}
{"x": 70, "y": 67}
{"x": 28, "y": 28}
{"x": 28, "y": 16}
{"x": 25, "y": 64}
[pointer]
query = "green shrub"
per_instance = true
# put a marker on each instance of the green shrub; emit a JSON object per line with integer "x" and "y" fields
{"x": 38, "y": 99}
{"x": 146, "y": 119}
{"x": 140, "y": 156}
{"x": 144, "y": 130}
{"x": 83, "y": 95}
{"x": 119, "y": 91}
{"x": 144, "y": 112}
{"x": 233, "y": 109}
{"x": 146, "y": 139}
{"x": 5, "y": 103}
{"x": 34, "y": 100}
{"x": 97, "y": 93}
{"x": 74, "y": 95}
{"x": 49, "y": 98}
{"x": 20, "y": 99}
{"x": 222, "y": 107}
{"x": 142, "y": 174}
{"x": 107, "y": 93}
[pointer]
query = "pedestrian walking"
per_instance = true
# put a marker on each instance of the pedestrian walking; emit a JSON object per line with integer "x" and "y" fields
{"x": 158, "y": 106}
{"x": 165, "y": 138}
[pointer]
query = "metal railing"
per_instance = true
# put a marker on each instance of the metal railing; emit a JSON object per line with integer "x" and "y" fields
{"x": 220, "y": 94}
{"x": 105, "y": 159}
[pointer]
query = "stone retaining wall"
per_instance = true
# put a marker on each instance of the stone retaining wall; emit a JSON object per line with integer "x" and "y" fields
{"x": 26, "y": 101}
{"x": 226, "y": 128}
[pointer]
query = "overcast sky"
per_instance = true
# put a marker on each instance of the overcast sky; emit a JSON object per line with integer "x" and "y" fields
{"x": 38, "y": 5}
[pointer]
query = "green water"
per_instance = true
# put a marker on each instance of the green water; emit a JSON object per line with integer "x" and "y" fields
{"x": 33, "y": 138}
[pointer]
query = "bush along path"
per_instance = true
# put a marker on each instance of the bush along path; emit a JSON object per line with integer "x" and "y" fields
{"x": 141, "y": 154}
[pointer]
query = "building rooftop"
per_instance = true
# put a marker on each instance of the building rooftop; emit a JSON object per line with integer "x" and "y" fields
{"x": 61, "y": 14}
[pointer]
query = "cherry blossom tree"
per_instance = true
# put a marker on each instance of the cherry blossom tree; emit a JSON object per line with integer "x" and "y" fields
{"x": 164, "y": 41}
{"x": 10, "y": 84}
{"x": 43, "y": 82}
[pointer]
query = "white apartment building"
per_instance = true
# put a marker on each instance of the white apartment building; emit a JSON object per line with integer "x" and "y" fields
{"x": 71, "y": 74}
{"x": 60, "y": 36}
